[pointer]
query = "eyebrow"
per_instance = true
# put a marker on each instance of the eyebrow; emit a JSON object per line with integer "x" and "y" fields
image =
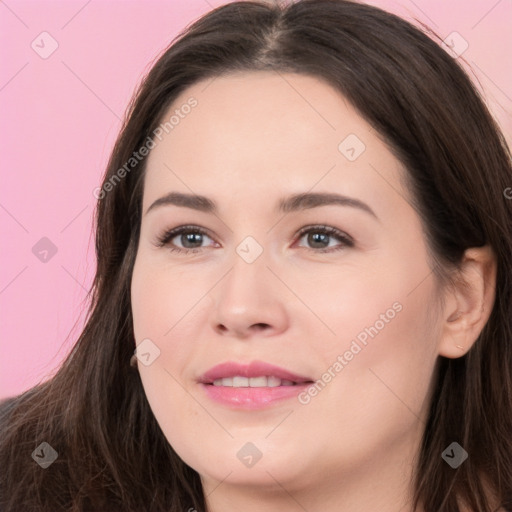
{"x": 293, "y": 203}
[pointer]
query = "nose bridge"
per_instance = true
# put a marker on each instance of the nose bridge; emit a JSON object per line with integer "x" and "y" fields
{"x": 248, "y": 277}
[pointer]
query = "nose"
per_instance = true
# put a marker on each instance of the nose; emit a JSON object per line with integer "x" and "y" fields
{"x": 249, "y": 301}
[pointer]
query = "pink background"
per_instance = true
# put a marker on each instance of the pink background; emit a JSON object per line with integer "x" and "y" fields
{"x": 60, "y": 117}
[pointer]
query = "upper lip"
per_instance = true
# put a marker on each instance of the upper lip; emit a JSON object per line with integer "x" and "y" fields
{"x": 253, "y": 369}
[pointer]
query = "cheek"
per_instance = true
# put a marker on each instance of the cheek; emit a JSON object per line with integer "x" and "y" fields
{"x": 163, "y": 303}
{"x": 383, "y": 350}
{"x": 169, "y": 309}
{"x": 160, "y": 306}
{"x": 381, "y": 300}
{"x": 181, "y": 419}
{"x": 365, "y": 305}
{"x": 388, "y": 353}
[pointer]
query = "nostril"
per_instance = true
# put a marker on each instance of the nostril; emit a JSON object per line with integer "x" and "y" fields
{"x": 260, "y": 326}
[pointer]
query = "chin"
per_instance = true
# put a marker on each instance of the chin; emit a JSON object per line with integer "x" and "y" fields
{"x": 235, "y": 466}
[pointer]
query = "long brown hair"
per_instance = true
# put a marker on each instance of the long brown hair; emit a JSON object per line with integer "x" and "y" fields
{"x": 112, "y": 454}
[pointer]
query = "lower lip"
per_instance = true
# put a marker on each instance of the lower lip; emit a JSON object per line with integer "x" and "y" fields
{"x": 252, "y": 398}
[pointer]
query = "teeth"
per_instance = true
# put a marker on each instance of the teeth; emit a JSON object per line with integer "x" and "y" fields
{"x": 240, "y": 382}
{"x": 273, "y": 382}
{"x": 257, "y": 382}
{"x": 254, "y": 382}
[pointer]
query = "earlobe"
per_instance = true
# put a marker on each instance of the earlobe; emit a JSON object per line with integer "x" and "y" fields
{"x": 469, "y": 302}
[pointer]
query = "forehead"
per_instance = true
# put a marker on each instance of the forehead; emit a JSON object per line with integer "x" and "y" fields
{"x": 258, "y": 132}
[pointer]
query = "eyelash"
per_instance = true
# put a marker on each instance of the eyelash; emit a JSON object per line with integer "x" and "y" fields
{"x": 346, "y": 241}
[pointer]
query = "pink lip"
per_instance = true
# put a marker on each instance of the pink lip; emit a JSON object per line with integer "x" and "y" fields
{"x": 247, "y": 397}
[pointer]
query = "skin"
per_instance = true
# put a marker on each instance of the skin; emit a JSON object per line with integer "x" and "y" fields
{"x": 252, "y": 139}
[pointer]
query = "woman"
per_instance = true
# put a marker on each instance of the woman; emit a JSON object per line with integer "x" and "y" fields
{"x": 304, "y": 229}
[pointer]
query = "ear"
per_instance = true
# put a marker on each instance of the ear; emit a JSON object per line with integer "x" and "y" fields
{"x": 468, "y": 304}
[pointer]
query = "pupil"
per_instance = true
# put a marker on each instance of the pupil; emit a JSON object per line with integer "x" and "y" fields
{"x": 191, "y": 238}
{"x": 319, "y": 238}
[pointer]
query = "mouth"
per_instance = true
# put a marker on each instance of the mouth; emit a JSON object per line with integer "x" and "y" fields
{"x": 238, "y": 381}
{"x": 251, "y": 386}
{"x": 255, "y": 374}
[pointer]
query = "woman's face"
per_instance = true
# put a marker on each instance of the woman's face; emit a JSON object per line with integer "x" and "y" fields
{"x": 346, "y": 306}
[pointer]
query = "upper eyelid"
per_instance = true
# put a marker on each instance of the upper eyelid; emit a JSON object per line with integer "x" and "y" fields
{"x": 330, "y": 229}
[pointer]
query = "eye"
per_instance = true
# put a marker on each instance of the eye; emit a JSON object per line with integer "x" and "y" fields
{"x": 191, "y": 239}
{"x": 320, "y": 237}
